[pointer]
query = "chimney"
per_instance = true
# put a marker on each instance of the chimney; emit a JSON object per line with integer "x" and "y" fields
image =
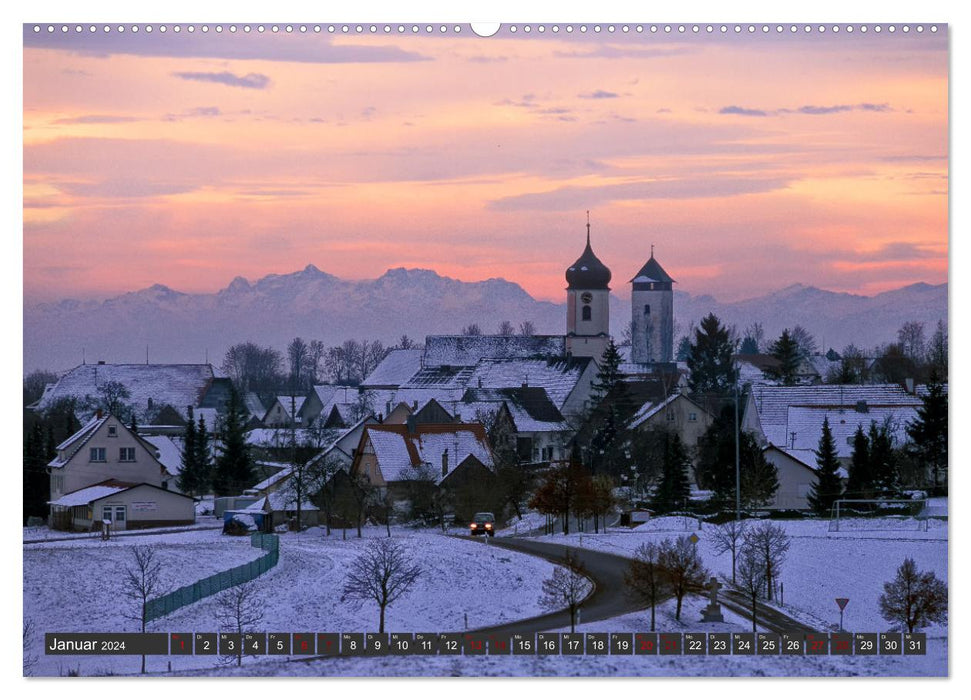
{"x": 445, "y": 463}
{"x": 189, "y": 411}
{"x": 861, "y": 407}
{"x": 410, "y": 423}
{"x": 380, "y": 418}
{"x": 101, "y": 362}
{"x": 100, "y": 414}
{"x": 909, "y": 385}
{"x": 414, "y": 405}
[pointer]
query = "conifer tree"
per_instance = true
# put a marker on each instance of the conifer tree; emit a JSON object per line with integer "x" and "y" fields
{"x": 883, "y": 461}
{"x": 710, "y": 358}
{"x": 606, "y": 421}
{"x": 234, "y": 468}
{"x": 928, "y": 433}
{"x": 828, "y": 487}
{"x": 203, "y": 457}
{"x": 860, "y": 481}
{"x": 786, "y": 351}
{"x": 674, "y": 488}
{"x": 189, "y": 474}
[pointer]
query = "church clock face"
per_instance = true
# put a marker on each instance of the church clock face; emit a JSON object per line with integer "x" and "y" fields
{"x": 586, "y": 297}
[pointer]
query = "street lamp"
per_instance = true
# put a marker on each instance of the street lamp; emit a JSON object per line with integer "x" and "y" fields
{"x": 738, "y": 472}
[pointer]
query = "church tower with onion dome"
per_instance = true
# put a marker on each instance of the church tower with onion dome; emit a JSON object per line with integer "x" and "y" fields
{"x": 652, "y": 314}
{"x": 587, "y": 305}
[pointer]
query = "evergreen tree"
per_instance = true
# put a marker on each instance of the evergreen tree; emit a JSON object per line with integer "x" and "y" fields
{"x": 710, "y": 358}
{"x": 750, "y": 346}
{"x": 859, "y": 481}
{"x": 36, "y": 482}
{"x": 608, "y": 416}
{"x": 673, "y": 489}
{"x": 883, "y": 461}
{"x": 188, "y": 480}
{"x": 786, "y": 350}
{"x": 133, "y": 426}
{"x": 929, "y": 432}
{"x": 759, "y": 477}
{"x": 608, "y": 376}
{"x": 234, "y": 467}
{"x": 828, "y": 486}
{"x": 684, "y": 349}
{"x": 203, "y": 458}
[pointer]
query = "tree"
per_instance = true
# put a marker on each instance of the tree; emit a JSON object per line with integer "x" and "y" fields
{"x": 645, "y": 579}
{"x": 769, "y": 544}
{"x": 755, "y": 334}
{"x": 883, "y": 460}
{"x": 716, "y": 464}
{"x": 298, "y": 355}
{"x": 234, "y": 466}
{"x": 240, "y": 609}
{"x": 316, "y": 353}
{"x": 190, "y": 478}
{"x": 35, "y": 383}
{"x": 893, "y": 366}
{"x": 684, "y": 349}
{"x": 567, "y": 587}
{"x": 710, "y": 358}
{"x": 471, "y": 329}
{"x": 203, "y": 456}
{"x": 805, "y": 342}
{"x": 937, "y": 351}
{"x": 789, "y": 355}
{"x": 362, "y": 494}
{"x": 853, "y": 367}
{"x": 607, "y": 419}
{"x": 859, "y": 481}
{"x": 928, "y": 433}
{"x": 914, "y": 599}
{"x": 728, "y": 537}
{"x": 751, "y": 580}
{"x": 36, "y": 481}
{"x": 673, "y": 490}
{"x": 682, "y": 568}
{"x": 601, "y": 499}
{"x": 506, "y": 328}
{"x": 828, "y": 487}
{"x": 560, "y": 490}
{"x": 325, "y": 469}
{"x": 405, "y": 343}
{"x": 527, "y": 327}
{"x": 910, "y": 337}
{"x": 111, "y": 399}
{"x": 759, "y": 476}
{"x": 382, "y": 573}
{"x": 141, "y": 582}
{"x": 749, "y": 346}
{"x": 30, "y": 658}
{"x": 253, "y": 368}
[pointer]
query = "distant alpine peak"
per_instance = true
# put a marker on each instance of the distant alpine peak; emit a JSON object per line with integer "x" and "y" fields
{"x": 239, "y": 284}
{"x": 312, "y": 269}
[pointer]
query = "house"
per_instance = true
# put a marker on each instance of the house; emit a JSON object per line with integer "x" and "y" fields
{"x": 149, "y": 388}
{"x": 284, "y": 412}
{"x": 128, "y": 506}
{"x": 279, "y": 508}
{"x": 797, "y": 475}
{"x": 105, "y": 448}
{"x": 791, "y": 418}
{"x": 540, "y": 432}
{"x": 677, "y": 412}
{"x": 390, "y": 455}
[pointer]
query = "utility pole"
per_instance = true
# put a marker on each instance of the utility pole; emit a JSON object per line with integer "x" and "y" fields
{"x": 738, "y": 471}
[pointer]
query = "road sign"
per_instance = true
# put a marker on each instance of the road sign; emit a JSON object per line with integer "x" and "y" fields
{"x": 694, "y": 538}
{"x": 842, "y": 602}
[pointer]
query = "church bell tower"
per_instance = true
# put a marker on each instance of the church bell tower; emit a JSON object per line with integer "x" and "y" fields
{"x": 587, "y": 304}
{"x": 652, "y": 314}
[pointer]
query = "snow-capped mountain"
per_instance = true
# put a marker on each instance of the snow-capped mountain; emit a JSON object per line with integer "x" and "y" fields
{"x": 171, "y": 326}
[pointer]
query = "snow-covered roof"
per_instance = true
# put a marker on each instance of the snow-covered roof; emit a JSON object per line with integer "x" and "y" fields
{"x": 651, "y": 409}
{"x": 84, "y": 496}
{"x": 558, "y": 377}
{"x": 467, "y": 350}
{"x": 397, "y": 450}
{"x": 167, "y": 452}
{"x": 286, "y": 402}
{"x": 178, "y": 386}
{"x": 804, "y": 425}
{"x": 805, "y": 457}
{"x": 397, "y": 367}
{"x": 531, "y": 409}
{"x": 273, "y": 480}
{"x": 76, "y": 441}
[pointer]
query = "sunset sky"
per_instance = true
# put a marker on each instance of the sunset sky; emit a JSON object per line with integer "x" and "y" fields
{"x": 751, "y": 162}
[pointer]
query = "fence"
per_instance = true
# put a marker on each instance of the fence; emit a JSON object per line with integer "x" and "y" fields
{"x": 211, "y": 585}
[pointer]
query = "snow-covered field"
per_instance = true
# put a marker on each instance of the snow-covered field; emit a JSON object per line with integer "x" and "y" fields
{"x": 463, "y": 583}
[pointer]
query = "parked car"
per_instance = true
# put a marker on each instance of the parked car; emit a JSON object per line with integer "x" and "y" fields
{"x": 483, "y": 523}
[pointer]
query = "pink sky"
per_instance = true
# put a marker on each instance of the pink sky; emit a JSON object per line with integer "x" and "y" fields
{"x": 751, "y": 162}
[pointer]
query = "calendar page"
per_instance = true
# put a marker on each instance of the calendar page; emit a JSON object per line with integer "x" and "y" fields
{"x": 485, "y": 350}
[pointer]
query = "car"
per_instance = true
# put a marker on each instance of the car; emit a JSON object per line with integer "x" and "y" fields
{"x": 483, "y": 523}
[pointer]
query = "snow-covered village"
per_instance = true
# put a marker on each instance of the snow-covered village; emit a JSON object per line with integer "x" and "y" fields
{"x": 649, "y": 386}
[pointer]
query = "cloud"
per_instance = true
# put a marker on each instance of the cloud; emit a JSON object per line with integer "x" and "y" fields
{"x": 124, "y": 188}
{"x": 598, "y": 95}
{"x": 192, "y": 113}
{"x": 743, "y": 111}
{"x": 897, "y": 251}
{"x": 566, "y": 198}
{"x": 96, "y": 119}
{"x": 814, "y": 110}
{"x": 253, "y": 81}
{"x": 299, "y": 48}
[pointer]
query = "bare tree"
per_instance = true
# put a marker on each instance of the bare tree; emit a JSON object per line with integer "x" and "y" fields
{"x": 682, "y": 568}
{"x": 382, "y": 573}
{"x": 471, "y": 329}
{"x": 751, "y": 579}
{"x": 316, "y": 353}
{"x": 910, "y": 337}
{"x": 298, "y": 355}
{"x": 645, "y": 579}
{"x": 30, "y": 659}
{"x": 756, "y": 332}
{"x": 567, "y": 587}
{"x": 914, "y": 598}
{"x": 142, "y": 581}
{"x": 728, "y": 537}
{"x": 319, "y": 483}
{"x": 804, "y": 341}
{"x": 240, "y": 609}
{"x": 506, "y": 328}
{"x": 527, "y": 328}
{"x": 769, "y": 543}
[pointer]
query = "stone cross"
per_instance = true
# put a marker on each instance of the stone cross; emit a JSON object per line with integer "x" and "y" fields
{"x": 713, "y": 588}
{"x": 713, "y": 611}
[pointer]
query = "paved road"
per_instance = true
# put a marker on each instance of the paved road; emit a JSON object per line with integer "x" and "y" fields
{"x": 609, "y": 597}
{"x": 768, "y": 618}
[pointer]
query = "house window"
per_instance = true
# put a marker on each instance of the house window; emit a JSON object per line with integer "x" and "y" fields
{"x": 126, "y": 454}
{"x": 647, "y": 309}
{"x": 112, "y": 431}
{"x": 586, "y": 313}
{"x": 670, "y": 415}
{"x": 692, "y": 416}
{"x": 107, "y": 512}
{"x": 98, "y": 454}
{"x": 120, "y": 514}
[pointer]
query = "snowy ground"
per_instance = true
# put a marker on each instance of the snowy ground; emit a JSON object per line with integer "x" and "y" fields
{"x": 462, "y": 581}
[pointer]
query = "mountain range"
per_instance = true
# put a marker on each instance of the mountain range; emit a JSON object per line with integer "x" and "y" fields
{"x": 163, "y": 325}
